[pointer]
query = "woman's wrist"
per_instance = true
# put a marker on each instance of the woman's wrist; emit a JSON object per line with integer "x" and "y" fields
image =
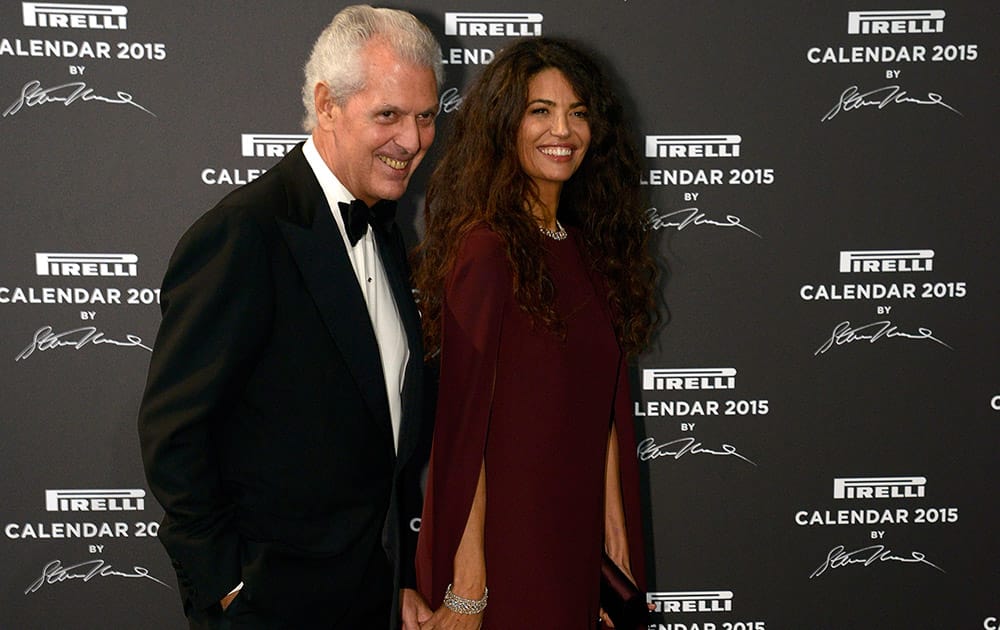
{"x": 615, "y": 539}
{"x": 469, "y": 588}
{"x": 469, "y": 579}
{"x": 463, "y": 605}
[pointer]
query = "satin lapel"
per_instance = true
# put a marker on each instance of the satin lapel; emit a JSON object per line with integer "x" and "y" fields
{"x": 392, "y": 250}
{"x": 319, "y": 253}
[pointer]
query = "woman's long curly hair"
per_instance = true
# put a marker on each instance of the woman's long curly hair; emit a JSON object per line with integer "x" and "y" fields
{"x": 479, "y": 180}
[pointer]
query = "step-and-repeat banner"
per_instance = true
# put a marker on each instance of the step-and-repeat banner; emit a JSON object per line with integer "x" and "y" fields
{"x": 819, "y": 420}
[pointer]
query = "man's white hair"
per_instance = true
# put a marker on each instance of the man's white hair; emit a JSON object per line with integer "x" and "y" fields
{"x": 336, "y": 55}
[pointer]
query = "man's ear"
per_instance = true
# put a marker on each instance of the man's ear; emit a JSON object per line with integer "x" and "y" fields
{"x": 327, "y": 109}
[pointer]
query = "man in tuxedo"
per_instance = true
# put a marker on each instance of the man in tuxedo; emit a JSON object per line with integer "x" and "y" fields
{"x": 284, "y": 394}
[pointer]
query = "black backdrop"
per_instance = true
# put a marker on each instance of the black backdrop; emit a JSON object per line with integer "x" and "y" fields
{"x": 820, "y": 416}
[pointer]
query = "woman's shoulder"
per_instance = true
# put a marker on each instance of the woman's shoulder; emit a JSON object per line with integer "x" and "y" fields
{"x": 482, "y": 257}
{"x": 482, "y": 242}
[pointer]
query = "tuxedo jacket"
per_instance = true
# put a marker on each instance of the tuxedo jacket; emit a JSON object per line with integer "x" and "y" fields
{"x": 265, "y": 426}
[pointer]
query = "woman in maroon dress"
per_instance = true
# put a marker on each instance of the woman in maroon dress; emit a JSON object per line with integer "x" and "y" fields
{"x": 535, "y": 284}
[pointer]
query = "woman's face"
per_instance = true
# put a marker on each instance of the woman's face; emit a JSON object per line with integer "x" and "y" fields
{"x": 554, "y": 133}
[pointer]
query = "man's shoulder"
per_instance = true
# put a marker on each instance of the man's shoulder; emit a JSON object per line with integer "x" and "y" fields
{"x": 269, "y": 193}
{"x": 239, "y": 211}
{"x": 270, "y": 196}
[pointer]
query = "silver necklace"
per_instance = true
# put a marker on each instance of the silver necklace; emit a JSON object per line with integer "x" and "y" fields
{"x": 557, "y": 234}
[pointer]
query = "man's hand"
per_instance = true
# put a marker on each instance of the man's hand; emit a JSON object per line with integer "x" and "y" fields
{"x": 445, "y": 619}
{"x": 228, "y": 599}
{"x": 413, "y": 609}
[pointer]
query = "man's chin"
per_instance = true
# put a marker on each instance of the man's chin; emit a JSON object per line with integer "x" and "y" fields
{"x": 393, "y": 191}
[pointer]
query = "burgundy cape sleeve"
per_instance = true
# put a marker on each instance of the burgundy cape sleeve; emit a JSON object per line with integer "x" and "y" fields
{"x": 629, "y": 470}
{"x": 476, "y": 293}
{"x": 628, "y": 464}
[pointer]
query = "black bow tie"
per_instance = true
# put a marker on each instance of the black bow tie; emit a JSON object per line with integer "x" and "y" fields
{"x": 357, "y": 216}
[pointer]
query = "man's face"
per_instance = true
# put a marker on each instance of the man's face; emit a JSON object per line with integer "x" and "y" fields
{"x": 376, "y": 139}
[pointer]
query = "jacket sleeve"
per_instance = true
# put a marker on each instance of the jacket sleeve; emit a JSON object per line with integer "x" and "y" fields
{"x": 216, "y": 298}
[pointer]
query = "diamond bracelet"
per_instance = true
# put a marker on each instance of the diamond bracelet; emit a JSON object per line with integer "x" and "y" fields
{"x": 465, "y": 606}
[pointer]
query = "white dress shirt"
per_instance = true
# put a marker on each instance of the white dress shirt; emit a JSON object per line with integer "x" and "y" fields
{"x": 389, "y": 333}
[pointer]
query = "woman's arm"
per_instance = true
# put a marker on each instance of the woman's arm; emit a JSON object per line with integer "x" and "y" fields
{"x": 470, "y": 558}
{"x": 615, "y": 535}
{"x": 469, "y": 580}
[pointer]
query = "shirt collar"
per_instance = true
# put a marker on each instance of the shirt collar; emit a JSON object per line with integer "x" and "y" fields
{"x": 333, "y": 190}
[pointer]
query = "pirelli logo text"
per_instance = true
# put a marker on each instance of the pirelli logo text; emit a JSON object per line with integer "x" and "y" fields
{"x": 107, "y": 265}
{"x": 709, "y": 146}
{"x": 659, "y": 379}
{"x": 493, "y": 24}
{"x": 133, "y": 500}
{"x": 887, "y": 261}
{"x": 63, "y": 15}
{"x": 691, "y": 601}
{"x": 895, "y": 22}
{"x": 271, "y": 145}
{"x": 879, "y": 487}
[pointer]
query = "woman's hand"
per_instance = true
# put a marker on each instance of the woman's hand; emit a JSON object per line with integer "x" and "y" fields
{"x": 604, "y": 619}
{"x": 622, "y": 562}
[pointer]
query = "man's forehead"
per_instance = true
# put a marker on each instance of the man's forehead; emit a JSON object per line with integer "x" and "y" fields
{"x": 398, "y": 95}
